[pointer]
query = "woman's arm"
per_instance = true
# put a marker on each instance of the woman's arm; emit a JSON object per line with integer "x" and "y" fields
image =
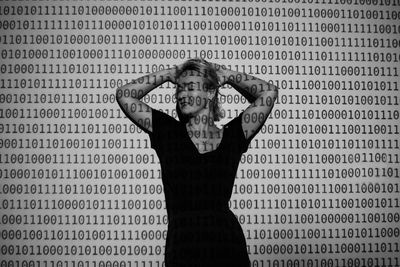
{"x": 129, "y": 95}
{"x": 259, "y": 93}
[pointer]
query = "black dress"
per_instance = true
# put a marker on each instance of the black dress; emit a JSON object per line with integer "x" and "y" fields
{"x": 202, "y": 231}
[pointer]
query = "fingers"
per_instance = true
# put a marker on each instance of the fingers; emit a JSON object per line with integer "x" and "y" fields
{"x": 220, "y": 70}
{"x": 173, "y": 72}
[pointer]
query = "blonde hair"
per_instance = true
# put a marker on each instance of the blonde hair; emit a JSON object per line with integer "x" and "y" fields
{"x": 207, "y": 70}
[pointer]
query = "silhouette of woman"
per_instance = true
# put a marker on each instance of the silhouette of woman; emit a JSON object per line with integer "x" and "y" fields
{"x": 199, "y": 160}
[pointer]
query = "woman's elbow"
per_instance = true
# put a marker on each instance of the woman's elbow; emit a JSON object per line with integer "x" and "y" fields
{"x": 119, "y": 94}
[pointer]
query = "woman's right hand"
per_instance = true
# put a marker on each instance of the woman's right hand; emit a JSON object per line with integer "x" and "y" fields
{"x": 172, "y": 72}
{"x": 221, "y": 73}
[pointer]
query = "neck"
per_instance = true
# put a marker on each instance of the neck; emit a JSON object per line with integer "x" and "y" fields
{"x": 202, "y": 121}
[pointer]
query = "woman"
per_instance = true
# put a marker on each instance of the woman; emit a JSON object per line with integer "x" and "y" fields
{"x": 199, "y": 160}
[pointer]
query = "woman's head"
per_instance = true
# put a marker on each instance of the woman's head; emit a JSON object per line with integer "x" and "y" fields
{"x": 197, "y": 89}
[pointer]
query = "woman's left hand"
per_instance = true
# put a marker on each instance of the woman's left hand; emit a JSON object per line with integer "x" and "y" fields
{"x": 221, "y": 73}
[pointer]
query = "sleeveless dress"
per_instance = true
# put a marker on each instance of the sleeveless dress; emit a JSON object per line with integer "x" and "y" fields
{"x": 202, "y": 231}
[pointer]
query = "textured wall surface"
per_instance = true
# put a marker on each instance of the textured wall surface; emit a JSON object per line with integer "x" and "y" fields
{"x": 80, "y": 185}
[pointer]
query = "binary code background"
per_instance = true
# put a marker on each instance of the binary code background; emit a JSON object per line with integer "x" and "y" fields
{"x": 319, "y": 186}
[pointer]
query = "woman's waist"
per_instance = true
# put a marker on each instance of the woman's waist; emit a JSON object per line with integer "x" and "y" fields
{"x": 211, "y": 216}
